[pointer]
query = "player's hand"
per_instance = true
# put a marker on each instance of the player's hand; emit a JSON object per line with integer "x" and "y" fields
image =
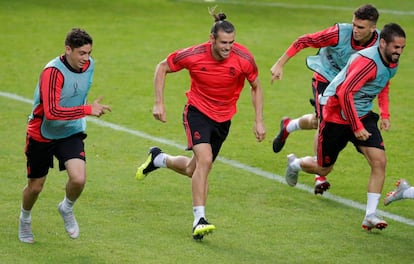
{"x": 362, "y": 135}
{"x": 158, "y": 112}
{"x": 99, "y": 109}
{"x": 385, "y": 124}
{"x": 259, "y": 131}
{"x": 276, "y": 71}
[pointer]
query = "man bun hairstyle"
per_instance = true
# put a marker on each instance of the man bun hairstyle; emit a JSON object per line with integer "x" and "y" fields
{"x": 220, "y": 22}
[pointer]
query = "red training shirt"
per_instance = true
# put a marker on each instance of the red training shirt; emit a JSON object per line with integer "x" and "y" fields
{"x": 215, "y": 85}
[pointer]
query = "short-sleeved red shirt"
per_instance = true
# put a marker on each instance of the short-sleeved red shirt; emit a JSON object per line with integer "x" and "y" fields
{"x": 215, "y": 85}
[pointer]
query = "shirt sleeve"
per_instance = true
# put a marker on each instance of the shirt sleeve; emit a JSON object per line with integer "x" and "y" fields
{"x": 384, "y": 102}
{"x": 359, "y": 72}
{"x": 176, "y": 60}
{"x": 320, "y": 39}
{"x": 51, "y": 83}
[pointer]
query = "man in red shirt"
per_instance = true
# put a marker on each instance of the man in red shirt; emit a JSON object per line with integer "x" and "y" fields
{"x": 218, "y": 69}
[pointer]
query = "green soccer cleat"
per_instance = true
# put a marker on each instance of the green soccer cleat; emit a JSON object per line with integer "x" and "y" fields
{"x": 148, "y": 165}
{"x": 202, "y": 228}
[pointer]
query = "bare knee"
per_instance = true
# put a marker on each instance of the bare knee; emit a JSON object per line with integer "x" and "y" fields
{"x": 308, "y": 121}
{"x": 379, "y": 164}
{"x": 204, "y": 164}
{"x": 78, "y": 181}
{"x": 34, "y": 187}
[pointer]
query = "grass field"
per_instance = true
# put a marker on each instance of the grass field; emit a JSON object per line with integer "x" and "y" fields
{"x": 259, "y": 218}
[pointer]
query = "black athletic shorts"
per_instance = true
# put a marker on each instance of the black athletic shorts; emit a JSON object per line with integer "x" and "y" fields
{"x": 40, "y": 155}
{"x": 333, "y": 138}
{"x": 199, "y": 128}
{"x": 318, "y": 87}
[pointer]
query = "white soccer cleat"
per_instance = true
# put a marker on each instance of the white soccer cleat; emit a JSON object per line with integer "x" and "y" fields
{"x": 71, "y": 226}
{"x": 373, "y": 221}
{"x": 397, "y": 194}
{"x": 291, "y": 175}
{"x": 25, "y": 231}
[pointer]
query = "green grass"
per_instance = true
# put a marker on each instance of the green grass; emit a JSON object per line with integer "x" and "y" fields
{"x": 258, "y": 220}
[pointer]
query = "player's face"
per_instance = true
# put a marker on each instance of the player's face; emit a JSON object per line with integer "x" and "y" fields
{"x": 222, "y": 45}
{"x": 391, "y": 51}
{"x": 362, "y": 30}
{"x": 77, "y": 57}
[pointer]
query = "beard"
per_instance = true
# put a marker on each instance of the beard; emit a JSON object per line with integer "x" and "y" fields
{"x": 391, "y": 58}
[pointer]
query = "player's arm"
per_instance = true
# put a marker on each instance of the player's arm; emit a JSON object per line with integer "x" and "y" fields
{"x": 320, "y": 39}
{"x": 51, "y": 84}
{"x": 383, "y": 104}
{"x": 159, "y": 83}
{"x": 359, "y": 72}
{"x": 257, "y": 100}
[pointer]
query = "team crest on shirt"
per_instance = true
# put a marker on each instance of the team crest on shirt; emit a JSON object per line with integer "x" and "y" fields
{"x": 75, "y": 90}
{"x": 232, "y": 71}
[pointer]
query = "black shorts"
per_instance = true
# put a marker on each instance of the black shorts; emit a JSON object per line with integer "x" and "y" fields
{"x": 333, "y": 138}
{"x": 199, "y": 128}
{"x": 40, "y": 155}
{"x": 318, "y": 87}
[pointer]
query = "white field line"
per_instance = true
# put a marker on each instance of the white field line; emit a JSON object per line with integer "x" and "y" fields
{"x": 232, "y": 163}
{"x": 297, "y": 6}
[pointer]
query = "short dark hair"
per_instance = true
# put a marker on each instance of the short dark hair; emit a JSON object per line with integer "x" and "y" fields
{"x": 390, "y": 31}
{"x": 77, "y": 37}
{"x": 220, "y": 23}
{"x": 367, "y": 12}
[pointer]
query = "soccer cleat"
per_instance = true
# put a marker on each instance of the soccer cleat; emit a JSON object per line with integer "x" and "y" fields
{"x": 321, "y": 185}
{"x": 148, "y": 165}
{"x": 202, "y": 228}
{"x": 25, "y": 231}
{"x": 312, "y": 101}
{"x": 71, "y": 226}
{"x": 373, "y": 221}
{"x": 291, "y": 175}
{"x": 397, "y": 194}
{"x": 280, "y": 139}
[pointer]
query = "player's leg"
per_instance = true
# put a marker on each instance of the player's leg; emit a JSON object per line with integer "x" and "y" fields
{"x": 374, "y": 152}
{"x": 287, "y": 126}
{"x": 39, "y": 160}
{"x": 332, "y": 139}
{"x": 71, "y": 155}
{"x": 219, "y": 132}
{"x": 377, "y": 161}
{"x": 319, "y": 86}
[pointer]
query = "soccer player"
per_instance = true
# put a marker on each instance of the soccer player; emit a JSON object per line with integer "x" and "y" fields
{"x": 336, "y": 44}
{"x": 56, "y": 128}
{"x": 348, "y": 116}
{"x": 218, "y": 69}
{"x": 403, "y": 191}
